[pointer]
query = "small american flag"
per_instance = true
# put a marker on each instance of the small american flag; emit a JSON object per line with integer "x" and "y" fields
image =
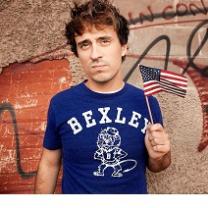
{"x": 157, "y": 80}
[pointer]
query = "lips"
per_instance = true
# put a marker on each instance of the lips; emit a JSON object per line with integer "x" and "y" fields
{"x": 98, "y": 66}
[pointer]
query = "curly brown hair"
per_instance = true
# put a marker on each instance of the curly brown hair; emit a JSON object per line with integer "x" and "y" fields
{"x": 98, "y": 13}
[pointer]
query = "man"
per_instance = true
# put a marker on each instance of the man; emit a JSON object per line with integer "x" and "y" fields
{"x": 97, "y": 128}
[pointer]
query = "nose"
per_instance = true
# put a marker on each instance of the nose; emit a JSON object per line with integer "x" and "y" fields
{"x": 95, "y": 52}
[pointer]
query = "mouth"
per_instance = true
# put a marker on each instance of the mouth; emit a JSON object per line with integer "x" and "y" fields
{"x": 98, "y": 66}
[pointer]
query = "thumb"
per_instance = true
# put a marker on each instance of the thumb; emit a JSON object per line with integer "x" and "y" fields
{"x": 147, "y": 142}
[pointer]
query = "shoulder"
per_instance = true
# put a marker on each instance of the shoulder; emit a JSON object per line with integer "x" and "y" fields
{"x": 66, "y": 95}
{"x": 135, "y": 90}
{"x": 138, "y": 93}
{"x": 135, "y": 93}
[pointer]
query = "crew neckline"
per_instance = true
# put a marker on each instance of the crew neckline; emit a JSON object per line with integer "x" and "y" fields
{"x": 102, "y": 94}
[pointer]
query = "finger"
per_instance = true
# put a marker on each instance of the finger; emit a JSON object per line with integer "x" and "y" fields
{"x": 157, "y": 141}
{"x": 151, "y": 139}
{"x": 155, "y": 127}
{"x": 161, "y": 148}
{"x": 153, "y": 142}
{"x": 148, "y": 127}
{"x": 156, "y": 134}
{"x": 161, "y": 137}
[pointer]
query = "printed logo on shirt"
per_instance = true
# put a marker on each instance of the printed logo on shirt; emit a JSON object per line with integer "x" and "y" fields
{"x": 91, "y": 121}
{"x": 111, "y": 155}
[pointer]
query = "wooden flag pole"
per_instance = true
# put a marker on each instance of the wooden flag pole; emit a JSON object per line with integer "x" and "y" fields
{"x": 149, "y": 109}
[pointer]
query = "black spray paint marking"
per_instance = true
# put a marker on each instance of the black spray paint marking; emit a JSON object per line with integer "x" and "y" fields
{"x": 154, "y": 42}
{"x": 8, "y": 107}
{"x": 168, "y": 15}
{"x": 191, "y": 58}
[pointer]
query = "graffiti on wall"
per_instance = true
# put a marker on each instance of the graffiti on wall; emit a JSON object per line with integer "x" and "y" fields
{"x": 200, "y": 74}
{"x": 9, "y": 108}
{"x": 168, "y": 13}
{"x": 191, "y": 56}
{"x": 25, "y": 93}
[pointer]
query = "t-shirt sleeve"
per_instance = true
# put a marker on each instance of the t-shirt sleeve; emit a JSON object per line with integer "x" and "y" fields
{"x": 156, "y": 111}
{"x": 51, "y": 139}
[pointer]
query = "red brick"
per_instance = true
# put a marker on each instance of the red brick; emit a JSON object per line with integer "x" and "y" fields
{"x": 29, "y": 88}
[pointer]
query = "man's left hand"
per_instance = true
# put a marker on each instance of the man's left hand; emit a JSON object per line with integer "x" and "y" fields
{"x": 157, "y": 141}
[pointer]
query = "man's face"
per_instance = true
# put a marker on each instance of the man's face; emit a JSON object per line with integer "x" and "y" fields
{"x": 100, "y": 54}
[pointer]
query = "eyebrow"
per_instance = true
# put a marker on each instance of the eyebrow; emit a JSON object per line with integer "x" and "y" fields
{"x": 105, "y": 37}
{"x": 99, "y": 38}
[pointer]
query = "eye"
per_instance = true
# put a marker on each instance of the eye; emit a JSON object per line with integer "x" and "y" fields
{"x": 84, "y": 45}
{"x": 105, "y": 41}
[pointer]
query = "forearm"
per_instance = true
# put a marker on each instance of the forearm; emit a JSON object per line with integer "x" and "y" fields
{"x": 48, "y": 171}
{"x": 155, "y": 165}
{"x": 46, "y": 180}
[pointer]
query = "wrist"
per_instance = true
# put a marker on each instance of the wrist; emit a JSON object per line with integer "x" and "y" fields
{"x": 167, "y": 154}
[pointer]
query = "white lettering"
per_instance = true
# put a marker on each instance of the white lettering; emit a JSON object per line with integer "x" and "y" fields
{"x": 145, "y": 125}
{"x": 105, "y": 118}
{"x": 75, "y": 125}
{"x": 118, "y": 118}
{"x": 135, "y": 116}
{"x": 88, "y": 119}
{"x": 91, "y": 121}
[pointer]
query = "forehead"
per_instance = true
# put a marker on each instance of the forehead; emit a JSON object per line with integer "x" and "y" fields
{"x": 93, "y": 32}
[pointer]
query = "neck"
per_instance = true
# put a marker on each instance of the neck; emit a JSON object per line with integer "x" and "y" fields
{"x": 105, "y": 87}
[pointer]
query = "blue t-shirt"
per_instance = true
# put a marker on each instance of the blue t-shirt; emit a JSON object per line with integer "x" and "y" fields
{"x": 102, "y": 139}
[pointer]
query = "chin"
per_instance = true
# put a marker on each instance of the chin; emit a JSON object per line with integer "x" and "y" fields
{"x": 102, "y": 80}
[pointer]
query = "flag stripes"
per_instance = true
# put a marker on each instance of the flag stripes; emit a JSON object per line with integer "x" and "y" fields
{"x": 157, "y": 80}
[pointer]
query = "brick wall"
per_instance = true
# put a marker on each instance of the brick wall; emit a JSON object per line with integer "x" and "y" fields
{"x": 25, "y": 93}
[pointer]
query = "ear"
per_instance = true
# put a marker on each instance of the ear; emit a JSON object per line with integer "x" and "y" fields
{"x": 124, "y": 49}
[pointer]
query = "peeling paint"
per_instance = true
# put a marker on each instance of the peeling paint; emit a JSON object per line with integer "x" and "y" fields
{"x": 41, "y": 127}
{"x": 62, "y": 80}
{"x": 25, "y": 95}
{"x": 30, "y": 104}
{"x": 7, "y": 157}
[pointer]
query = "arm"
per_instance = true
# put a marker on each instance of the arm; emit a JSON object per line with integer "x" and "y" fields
{"x": 161, "y": 164}
{"x": 98, "y": 154}
{"x": 158, "y": 146}
{"x": 48, "y": 170}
